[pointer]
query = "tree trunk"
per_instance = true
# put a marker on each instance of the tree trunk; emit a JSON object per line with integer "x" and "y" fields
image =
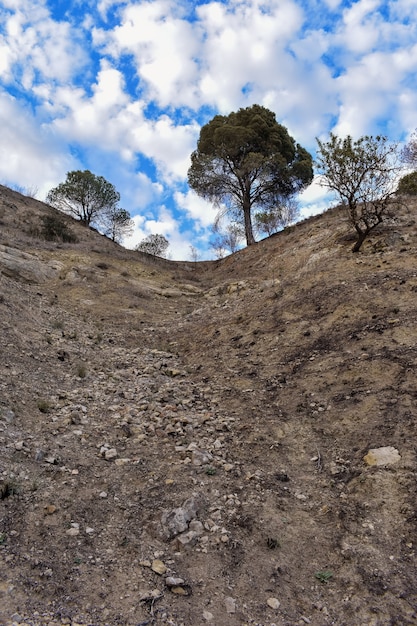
{"x": 361, "y": 238}
{"x": 250, "y": 239}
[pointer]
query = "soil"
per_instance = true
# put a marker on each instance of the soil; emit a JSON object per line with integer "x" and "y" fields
{"x": 188, "y": 443}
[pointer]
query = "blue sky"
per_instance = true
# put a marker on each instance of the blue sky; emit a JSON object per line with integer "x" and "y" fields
{"x": 122, "y": 89}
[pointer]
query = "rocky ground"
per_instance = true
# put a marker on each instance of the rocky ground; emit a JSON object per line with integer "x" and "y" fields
{"x": 224, "y": 443}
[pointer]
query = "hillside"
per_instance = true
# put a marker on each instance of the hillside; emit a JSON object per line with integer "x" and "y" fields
{"x": 188, "y": 443}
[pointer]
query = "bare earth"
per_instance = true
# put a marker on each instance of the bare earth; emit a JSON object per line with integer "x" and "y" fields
{"x": 188, "y": 443}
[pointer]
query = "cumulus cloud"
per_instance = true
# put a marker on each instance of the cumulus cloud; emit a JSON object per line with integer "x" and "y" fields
{"x": 29, "y": 155}
{"x": 122, "y": 87}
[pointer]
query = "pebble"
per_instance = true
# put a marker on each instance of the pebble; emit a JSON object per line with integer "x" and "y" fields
{"x": 158, "y": 567}
{"x": 171, "y": 581}
{"x": 273, "y": 603}
{"x": 208, "y": 616}
{"x": 230, "y": 604}
{"x": 110, "y": 454}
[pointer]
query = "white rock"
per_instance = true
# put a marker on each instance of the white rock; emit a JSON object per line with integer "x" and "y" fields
{"x": 273, "y": 603}
{"x": 386, "y": 455}
{"x": 230, "y": 604}
{"x": 110, "y": 454}
{"x": 208, "y": 616}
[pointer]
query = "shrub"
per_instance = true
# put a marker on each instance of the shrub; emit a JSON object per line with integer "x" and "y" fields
{"x": 408, "y": 185}
{"x": 54, "y": 228}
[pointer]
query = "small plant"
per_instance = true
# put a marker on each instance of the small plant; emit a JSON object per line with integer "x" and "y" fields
{"x": 273, "y": 543}
{"x": 324, "y": 576}
{"x": 44, "y": 406}
{"x": 7, "y": 489}
{"x": 210, "y": 471}
{"x": 2, "y": 538}
{"x": 81, "y": 370}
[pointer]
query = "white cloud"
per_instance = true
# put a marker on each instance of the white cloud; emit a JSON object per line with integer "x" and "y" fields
{"x": 199, "y": 210}
{"x": 29, "y": 155}
{"x": 164, "y": 224}
{"x": 164, "y": 47}
{"x": 34, "y": 47}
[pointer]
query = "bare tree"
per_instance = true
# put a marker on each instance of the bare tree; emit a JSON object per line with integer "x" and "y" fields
{"x": 363, "y": 173}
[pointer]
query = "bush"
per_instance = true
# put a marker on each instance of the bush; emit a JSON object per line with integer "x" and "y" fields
{"x": 54, "y": 227}
{"x": 408, "y": 185}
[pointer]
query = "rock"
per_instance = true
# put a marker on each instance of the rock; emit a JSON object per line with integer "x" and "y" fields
{"x": 382, "y": 456}
{"x": 158, "y": 567}
{"x": 8, "y": 415}
{"x": 208, "y": 616}
{"x": 196, "y": 526}
{"x": 72, "y": 532}
{"x": 49, "y": 509}
{"x": 110, "y": 454}
{"x": 273, "y": 603}
{"x": 180, "y": 591}
{"x": 176, "y": 521}
{"x": 230, "y": 604}
{"x": 171, "y": 581}
{"x": 187, "y": 539}
{"x": 201, "y": 457}
{"x": 25, "y": 267}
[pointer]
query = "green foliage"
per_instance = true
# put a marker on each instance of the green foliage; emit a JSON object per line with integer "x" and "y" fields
{"x": 117, "y": 223}
{"x": 44, "y": 406}
{"x": 157, "y": 245}
{"x": 84, "y": 196}
{"x": 54, "y": 228}
{"x": 246, "y": 162}
{"x": 227, "y": 239}
{"x": 409, "y": 152}
{"x": 363, "y": 174}
{"x": 81, "y": 370}
{"x": 324, "y": 576}
{"x": 271, "y": 221}
{"x": 408, "y": 185}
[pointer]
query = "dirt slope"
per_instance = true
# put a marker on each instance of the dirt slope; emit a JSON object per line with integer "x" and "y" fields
{"x": 188, "y": 443}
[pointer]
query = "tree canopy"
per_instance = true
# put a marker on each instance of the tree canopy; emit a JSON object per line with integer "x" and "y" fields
{"x": 247, "y": 162}
{"x": 363, "y": 174}
{"x": 408, "y": 185}
{"x": 116, "y": 223}
{"x": 409, "y": 152}
{"x": 84, "y": 196}
{"x": 157, "y": 245}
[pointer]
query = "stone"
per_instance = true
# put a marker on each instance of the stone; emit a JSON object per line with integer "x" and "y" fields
{"x": 382, "y": 456}
{"x": 208, "y": 616}
{"x": 230, "y": 604}
{"x": 111, "y": 454}
{"x": 201, "y": 457}
{"x": 73, "y": 532}
{"x": 158, "y": 567}
{"x": 196, "y": 526}
{"x": 172, "y": 581}
{"x": 180, "y": 591}
{"x": 187, "y": 539}
{"x": 176, "y": 521}
{"x": 273, "y": 603}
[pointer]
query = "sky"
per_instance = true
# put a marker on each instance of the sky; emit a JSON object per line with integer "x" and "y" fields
{"x": 122, "y": 88}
